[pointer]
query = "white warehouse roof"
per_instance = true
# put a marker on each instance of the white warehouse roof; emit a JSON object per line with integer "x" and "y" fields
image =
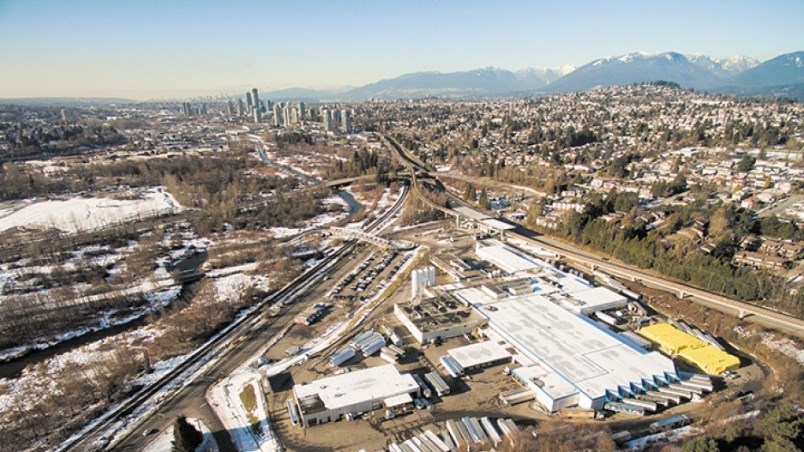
{"x": 375, "y": 383}
{"x": 585, "y": 355}
{"x": 598, "y": 299}
{"x": 478, "y": 354}
{"x": 507, "y": 258}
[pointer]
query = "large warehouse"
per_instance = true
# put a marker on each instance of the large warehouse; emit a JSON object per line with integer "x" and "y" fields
{"x": 332, "y": 398}
{"x": 567, "y": 358}
{"x": 577, "y": 361}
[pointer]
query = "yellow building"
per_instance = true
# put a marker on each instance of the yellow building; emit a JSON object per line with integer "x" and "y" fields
{"x": 668, "y": 338}
{"x": 675, "y": 342}
{"x": 710, "y": 359}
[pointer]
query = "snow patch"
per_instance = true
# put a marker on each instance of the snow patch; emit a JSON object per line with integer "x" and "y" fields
{"x": 83, "y": 214}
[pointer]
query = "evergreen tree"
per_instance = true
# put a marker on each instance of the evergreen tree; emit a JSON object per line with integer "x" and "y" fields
{"x": 483, "y": 200}
{"x": 746, "y": 164}
{"x": 470, "y": 193}
{"x": 701, "y": 444}
{"x": 185, "y": 437}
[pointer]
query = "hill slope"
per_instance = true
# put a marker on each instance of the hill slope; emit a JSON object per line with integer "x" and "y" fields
{"x": 634, "y": 68}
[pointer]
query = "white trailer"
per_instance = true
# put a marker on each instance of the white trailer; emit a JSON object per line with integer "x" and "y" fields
{"x": 650, "y": 406}
{"x": 475, "y": 430}
{"x": 434, "y": 439}
{"x": 683, "y": 394}
{"x": 441, "y": 387}
{"x": 490, "y": 430}
{"x": 451, "y": 366}
{"x": 455, "y": 433}
{"x": 676, "y": 399}
{"x": 685, "y": 387}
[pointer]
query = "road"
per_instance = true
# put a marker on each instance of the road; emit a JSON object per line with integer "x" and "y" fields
{"x": 191, "y": 401}
{"x": 483, "y": 181}
{"x": 235, "y": 345}
{"x": 758, "y": 314}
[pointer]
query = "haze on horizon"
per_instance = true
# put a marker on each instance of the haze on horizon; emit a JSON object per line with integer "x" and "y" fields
{"x": 151, "y": 49}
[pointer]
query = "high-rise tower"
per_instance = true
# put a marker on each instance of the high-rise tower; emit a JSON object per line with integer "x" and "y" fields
{"x": 257, "y": 110}
{"x": 346, "y": 121}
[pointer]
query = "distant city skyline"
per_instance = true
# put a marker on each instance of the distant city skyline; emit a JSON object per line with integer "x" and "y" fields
{"x": 149, "y": 49}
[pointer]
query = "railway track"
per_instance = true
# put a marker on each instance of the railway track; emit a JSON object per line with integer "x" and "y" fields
{"x": 95, "y": 435}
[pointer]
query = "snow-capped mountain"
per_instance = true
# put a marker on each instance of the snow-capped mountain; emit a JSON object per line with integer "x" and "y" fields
{"x": 635, "y": 68}
{"x": 785, "y": 69}
{"x": 478, "y": 82}
{"x": 724, "y": 67}
{"x": 783, "y": 75}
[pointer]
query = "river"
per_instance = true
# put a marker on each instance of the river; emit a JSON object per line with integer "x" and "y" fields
{"x": 13, "y": 368}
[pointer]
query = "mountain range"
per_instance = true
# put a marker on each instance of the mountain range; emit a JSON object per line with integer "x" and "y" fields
{"x": 741, "y": 75}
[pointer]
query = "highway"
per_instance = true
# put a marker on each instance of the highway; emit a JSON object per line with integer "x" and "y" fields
{"x": 758, "y": 314}
{"x": 237, "y": 343}
{"x": 763, "y": 316}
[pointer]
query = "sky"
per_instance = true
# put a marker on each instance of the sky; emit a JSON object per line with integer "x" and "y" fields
{"x": 144, "y": 49}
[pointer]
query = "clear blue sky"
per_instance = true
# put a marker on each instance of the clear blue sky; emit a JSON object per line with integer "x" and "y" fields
{"x": 145, "y": 48}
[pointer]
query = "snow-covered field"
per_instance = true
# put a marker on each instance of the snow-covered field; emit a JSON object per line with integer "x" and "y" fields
{"x": 82, "y": 214}
{"x": 319, "y": 221}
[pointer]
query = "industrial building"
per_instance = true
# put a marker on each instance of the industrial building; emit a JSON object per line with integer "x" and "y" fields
{"x": 691, "y": 349}
{"x": 480, "y": 354}
{"x": 566, "y": 358}
{"x": 436, "y": 319}
{"x": 350, "y": 394}
{"x": 507, "y": 258}
{"x": 536, "y": 275}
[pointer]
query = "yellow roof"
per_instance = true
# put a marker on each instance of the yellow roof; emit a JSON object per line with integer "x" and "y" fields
{"x": 707, "y": 357}
{"x": 670, "y": 338}
{"x": 710, "y": 359}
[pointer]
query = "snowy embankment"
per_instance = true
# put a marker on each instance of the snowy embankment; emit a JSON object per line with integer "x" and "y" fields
{"x": 317, "y": 222}
{"x": 86, "y": 214}
{"x": 672, "y": 436}
{"x": 164, "y": 442}
{"x": 226, "y": 288}
{"x": 776, "y": 343}
{"x": 224, "y": 398}
{"x": 158, "y": 293}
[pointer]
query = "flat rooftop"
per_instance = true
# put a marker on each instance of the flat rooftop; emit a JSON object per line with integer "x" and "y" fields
{"x": 597, "y": 299}
{"x": 438, "y": 313}
{"x": 472, "y": 214}
{"x": 548, "y": 381}
{"x": 584, "y": 354}
{"x": 478, "y": 354}
{"x": 375, "y": 383}
{"x": 507, "y": 258}
{"x": 497, "y": 224}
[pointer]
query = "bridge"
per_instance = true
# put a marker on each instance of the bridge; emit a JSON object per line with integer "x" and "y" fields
{"x": 377, "y": 241}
